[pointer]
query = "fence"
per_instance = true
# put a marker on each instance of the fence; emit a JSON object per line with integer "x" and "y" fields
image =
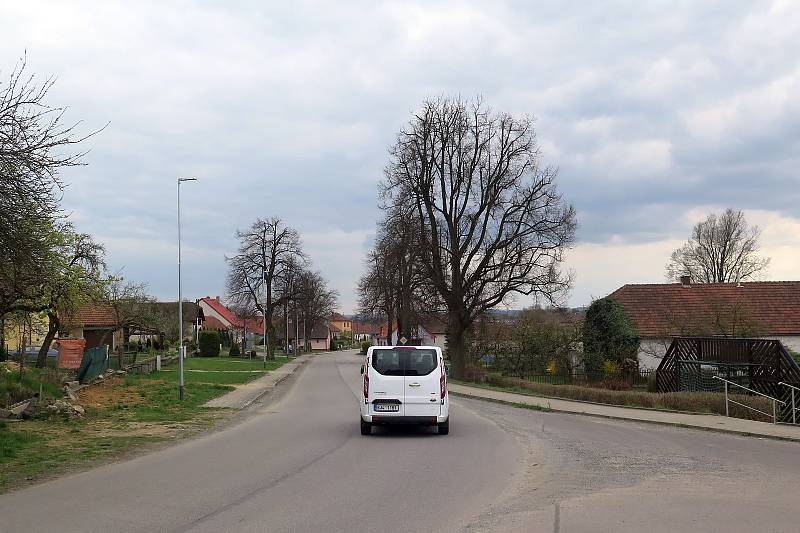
{"x": 150, "y": 365}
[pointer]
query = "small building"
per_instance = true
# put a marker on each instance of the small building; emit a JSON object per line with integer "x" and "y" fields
{"x": 762, "y": 309}
{"x": 96, "y": 324}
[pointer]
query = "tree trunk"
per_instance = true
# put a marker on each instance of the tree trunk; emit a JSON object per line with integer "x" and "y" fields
{"x": 456, "y": 345}
{"x": 52, "y": 329}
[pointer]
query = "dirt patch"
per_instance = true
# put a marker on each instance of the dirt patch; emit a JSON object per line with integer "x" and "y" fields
{"x": 110, "y": 392}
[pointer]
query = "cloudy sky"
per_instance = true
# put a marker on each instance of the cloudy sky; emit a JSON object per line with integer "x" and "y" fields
{"x": 655, "y": 114}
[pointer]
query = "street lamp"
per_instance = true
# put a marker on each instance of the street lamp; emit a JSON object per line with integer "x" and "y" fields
{"x": 181, "y": 349}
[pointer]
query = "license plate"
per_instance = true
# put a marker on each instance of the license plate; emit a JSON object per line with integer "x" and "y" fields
{"x": 386, "y": 407}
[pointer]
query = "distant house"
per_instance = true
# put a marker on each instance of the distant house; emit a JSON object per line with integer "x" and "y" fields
{"x": 213, "y": 307}
{"x": 366, "y": 331}
{"x": 319, "y": 338}
{"x": 336, "y": 332}
{"x": 769, "y": 310}
{"x": 342, "y": 323}
{"x": 429, "y": 333}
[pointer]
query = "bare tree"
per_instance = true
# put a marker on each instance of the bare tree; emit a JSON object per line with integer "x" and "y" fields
{"x": 492, "y": 221}
{"x": 722, "y": 249}
{"x": 315, "y": 300}
{"x": 266, "y": 250}
{"x": 395, "y": 285}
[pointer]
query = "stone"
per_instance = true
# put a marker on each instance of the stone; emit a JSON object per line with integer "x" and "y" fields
{"x": 20, "y": 408}
{"x": 70, "y": 393}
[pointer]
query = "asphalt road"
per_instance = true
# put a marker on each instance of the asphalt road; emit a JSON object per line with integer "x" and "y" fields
{"x": 299, "y": 464}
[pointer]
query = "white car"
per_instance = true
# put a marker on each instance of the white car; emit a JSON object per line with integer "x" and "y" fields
{"x": 404, "y": 385}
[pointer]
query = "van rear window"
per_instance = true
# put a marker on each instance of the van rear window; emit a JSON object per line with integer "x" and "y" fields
{"x": 389, "y": 362}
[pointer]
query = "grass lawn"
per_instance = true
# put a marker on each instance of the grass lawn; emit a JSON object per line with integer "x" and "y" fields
{"x": 218, "y": 370}
{"x": 122, "y": 415}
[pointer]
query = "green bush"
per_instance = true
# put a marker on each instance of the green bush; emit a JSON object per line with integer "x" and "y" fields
{"x": 235, "y": 352}
{"x": 608, "y": 335}
{"x": 364, "y": 347}
{"x": 652, "y": 384}
{"x": 209, "y": 343}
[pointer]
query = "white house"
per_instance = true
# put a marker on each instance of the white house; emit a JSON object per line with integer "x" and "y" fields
{"x": 763, "y": 309}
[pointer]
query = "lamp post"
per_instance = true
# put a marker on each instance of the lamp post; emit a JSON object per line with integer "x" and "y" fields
{"x": 181, "y": 349}
{"x": 264, "y": 312}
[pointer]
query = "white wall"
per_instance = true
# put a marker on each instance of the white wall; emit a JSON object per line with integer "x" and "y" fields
{"x": 651, "y": 350}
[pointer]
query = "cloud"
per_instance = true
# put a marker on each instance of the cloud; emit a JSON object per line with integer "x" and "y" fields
{"x": 651, "y": 111}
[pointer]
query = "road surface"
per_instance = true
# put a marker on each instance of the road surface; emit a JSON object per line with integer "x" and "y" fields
{"x": 299, "y": 464}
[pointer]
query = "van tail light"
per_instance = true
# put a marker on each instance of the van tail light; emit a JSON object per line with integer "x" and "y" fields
{"x": 366, "y": 387}
{"x": 442, "y": 385}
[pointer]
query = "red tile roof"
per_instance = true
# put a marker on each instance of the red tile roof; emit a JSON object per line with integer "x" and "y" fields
{"x": 94, "y": 316}
{"x": 214, "y": 323}
{"x": 223, "y": 311}
{"x": 336, "y": 317}
{"x": 334, "y": 329}
{"x": 370, "y": 328}
{"x": 660, "y": 309}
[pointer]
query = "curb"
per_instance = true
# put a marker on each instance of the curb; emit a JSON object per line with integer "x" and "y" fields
{"x": 548, "y": 408}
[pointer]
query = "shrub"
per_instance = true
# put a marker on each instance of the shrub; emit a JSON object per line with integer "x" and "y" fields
{"x": 235, "y": 352}
{"x": 611, "y": 370}
{"x": 652, "y": 384}
{"x": 364, "y": 347}
{"x": 608, "y": 334}
{"x": 209, "y": 343}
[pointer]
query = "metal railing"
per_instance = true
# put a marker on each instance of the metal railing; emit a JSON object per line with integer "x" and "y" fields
{"x": 792, "y": 388}
{"x": 775, "y": 401}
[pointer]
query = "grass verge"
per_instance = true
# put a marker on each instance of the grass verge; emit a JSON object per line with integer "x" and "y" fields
{"x": 123, "y": 414}
{"x": 692, "y": 402}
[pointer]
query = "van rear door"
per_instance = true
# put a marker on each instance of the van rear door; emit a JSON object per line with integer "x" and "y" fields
{"x": 421, "y": 381}
{"x": 386, "y": 383}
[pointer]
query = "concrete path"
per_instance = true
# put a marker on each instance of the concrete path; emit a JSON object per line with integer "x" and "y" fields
{"x": 707, "y": 422}
{"x": 246, "y": 394}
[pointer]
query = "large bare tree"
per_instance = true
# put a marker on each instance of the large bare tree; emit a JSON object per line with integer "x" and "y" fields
{"x": 493, "y": 223}
{"x": 267, "y": 250}
{"x": 722, "y": 249}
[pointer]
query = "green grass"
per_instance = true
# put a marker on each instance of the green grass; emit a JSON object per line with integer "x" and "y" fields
{"x": 149, "y": 411}
{"x": 693, "y": 402}
{"x": 12, "y": 443}
{"x": 13, "y": 389}
{"x": 218, "y": 370}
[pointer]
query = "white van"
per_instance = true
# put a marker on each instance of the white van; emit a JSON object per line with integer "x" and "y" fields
{"x": 404, "y": 385}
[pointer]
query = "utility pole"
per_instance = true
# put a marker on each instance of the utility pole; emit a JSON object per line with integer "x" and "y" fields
{"x": 181, "y": 349}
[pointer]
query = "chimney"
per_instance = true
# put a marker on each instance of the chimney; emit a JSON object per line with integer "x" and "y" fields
{"x": 686, "y": 280}
{"x": 216, "y": 298}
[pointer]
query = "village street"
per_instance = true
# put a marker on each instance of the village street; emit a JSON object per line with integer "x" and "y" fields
{"x": 298, "y": 463}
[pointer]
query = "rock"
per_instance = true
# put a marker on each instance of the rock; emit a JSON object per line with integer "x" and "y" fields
{"x": 70, "y": 393}
{"x": 74, "y": 385}
{"x": 66, "y": 408}
{"x": 5, "y": 413}
{"x": 18, "y": 409}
